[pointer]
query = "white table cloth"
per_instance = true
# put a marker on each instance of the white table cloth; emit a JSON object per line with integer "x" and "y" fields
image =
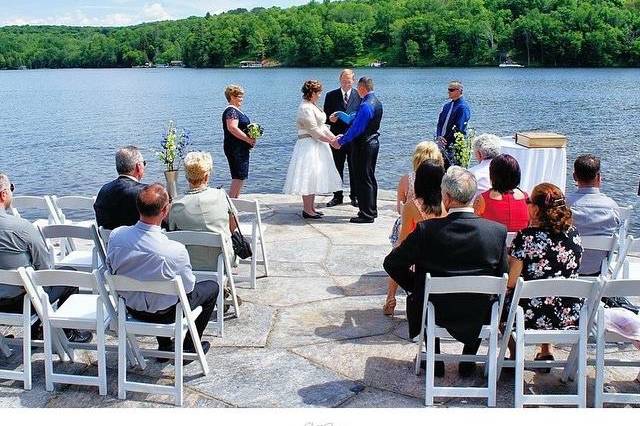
{"x": 538, "y": 165}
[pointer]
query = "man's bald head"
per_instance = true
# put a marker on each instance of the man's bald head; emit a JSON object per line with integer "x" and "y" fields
{"x": 151, "y": 200}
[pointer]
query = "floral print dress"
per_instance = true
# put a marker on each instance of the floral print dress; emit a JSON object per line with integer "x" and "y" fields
{"x": 547, "y": 254}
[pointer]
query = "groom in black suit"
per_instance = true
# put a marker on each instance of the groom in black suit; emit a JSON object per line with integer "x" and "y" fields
{"x": 346, "y": 99}
{"x": 459, "y": 244}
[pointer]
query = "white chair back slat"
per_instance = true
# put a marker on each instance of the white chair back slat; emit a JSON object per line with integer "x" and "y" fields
{"x": 466, "y": 284}
{"x": 61, "y": 277}
{"x": 104, "y": 235}
{"x": 22, "y": 203}
{"x": 599, "y": 242}
{"x": 556, "y": 287}
{"x": 10, "y": 277}
{"x": 197, "y": 238}
{"x": 72, "y": 202}
{"x": 66, "y": 231}
{"x": 625, "y": 219}
{"x": 621, "y": 288}
{"x": 121, "y": 283}
{"x": 246, "y": 206}
{"x": 510, "y": 237}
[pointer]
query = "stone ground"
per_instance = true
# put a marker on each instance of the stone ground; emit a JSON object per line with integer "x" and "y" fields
{"x": 311, "y": 335}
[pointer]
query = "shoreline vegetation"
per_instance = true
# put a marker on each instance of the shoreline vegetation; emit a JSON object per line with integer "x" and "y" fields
{"x": 350, "y": 33}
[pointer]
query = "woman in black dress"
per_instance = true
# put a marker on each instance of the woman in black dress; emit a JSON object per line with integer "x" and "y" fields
{"x": 549, "y": 248}
{"x": 236, "y": 142}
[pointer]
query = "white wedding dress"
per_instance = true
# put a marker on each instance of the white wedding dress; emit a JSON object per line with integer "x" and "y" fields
{"x": 311, "y": 169}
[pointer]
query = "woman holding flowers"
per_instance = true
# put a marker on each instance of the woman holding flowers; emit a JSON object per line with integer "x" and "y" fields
{"x": 311, "y": 169}
{"x": 237, "y": 143}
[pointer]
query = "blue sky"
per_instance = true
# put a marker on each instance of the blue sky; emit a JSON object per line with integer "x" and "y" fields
{"x": 118, "y": 12}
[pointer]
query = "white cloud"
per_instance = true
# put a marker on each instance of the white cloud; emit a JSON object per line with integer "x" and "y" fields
{"x": 155, "y": 12}
{"x": 148, "y": 13}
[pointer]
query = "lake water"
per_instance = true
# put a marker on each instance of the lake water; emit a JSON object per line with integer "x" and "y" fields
{"x": 59, "y": 128}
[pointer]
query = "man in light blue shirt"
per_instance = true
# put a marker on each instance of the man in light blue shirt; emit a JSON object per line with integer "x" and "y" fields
{"x": 593, "y": 212}
{"x": 143, "y": 252}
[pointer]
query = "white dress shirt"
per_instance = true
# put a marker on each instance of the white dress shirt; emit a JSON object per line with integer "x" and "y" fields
{"x": 481, "y": 172}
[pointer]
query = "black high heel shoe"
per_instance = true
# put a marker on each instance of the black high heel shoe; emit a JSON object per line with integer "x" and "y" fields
{"x": 310, "y": 216}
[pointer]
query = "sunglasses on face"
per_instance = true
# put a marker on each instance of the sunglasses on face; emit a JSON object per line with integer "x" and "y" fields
{"x": 12, "y": 187}
{"x": 452, "y": 89}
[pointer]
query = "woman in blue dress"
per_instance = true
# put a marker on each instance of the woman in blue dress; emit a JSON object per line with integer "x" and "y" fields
{"x": 236, "y": 142}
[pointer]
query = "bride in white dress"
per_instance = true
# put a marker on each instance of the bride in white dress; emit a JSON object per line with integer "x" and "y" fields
{"x": 311, "y": 169}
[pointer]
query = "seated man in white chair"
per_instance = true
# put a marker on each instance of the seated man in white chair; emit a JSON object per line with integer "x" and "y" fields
{"x": 22, "y": 245}
{"x": 143, "y": 252}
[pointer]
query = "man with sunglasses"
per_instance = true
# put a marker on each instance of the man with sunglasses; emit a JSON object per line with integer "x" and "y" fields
{"x": 454, "y": 116}
{"x": 22, "y": 245}
{"x": 116, "y": 202}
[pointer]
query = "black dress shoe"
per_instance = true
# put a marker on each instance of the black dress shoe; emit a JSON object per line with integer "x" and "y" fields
{"x": 319, "y": 213}
{"x": 205, "y": 348}
{"x": 466, "y": 369}
{"x": 78, "y": 336}
{"x": 335, "y": 201}
{"x": 310, "y": 216}
{"x": 359, "y": 219}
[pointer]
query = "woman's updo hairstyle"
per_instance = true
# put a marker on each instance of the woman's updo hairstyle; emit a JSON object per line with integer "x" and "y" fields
{"x": 553, "y": 214}
{"x": 310, "y": 87}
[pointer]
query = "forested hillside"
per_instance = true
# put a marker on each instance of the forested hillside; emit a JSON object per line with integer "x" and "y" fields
{"x": 352, "y": 32}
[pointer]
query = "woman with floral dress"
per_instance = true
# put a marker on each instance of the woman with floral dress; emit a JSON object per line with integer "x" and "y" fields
{"x": 549, "y": 248}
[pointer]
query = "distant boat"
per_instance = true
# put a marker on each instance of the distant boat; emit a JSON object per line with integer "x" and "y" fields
{"x": 251, "y": 64}
{"x": 510, "y": 64}
{"x": 377, "y": 64}
{"x": 22, "y": 67}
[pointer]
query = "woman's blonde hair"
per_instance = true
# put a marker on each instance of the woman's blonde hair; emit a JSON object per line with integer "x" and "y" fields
{"x": 426, "y": 151}
{"x": 233, "y": 90}
{"x": 197, "y": 165}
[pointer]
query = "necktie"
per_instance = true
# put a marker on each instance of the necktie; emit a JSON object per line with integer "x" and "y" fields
{"x": 446, "y": 121}
{"x": 346, "y": 99}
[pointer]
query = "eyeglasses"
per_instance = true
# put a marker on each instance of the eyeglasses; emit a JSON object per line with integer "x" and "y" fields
{"x": 452, "y": 89}
{"x": 12, "y": 187}
{"x": 144, "y": 163}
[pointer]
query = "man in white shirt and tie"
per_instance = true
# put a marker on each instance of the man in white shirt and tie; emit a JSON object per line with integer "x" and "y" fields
{"x": 345, "y": 98}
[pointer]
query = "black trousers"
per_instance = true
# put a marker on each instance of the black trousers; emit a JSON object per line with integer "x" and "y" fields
{"x": 339, "y": 157}
{"x": 204, "y": 294}
{"x": 364, "y": 158}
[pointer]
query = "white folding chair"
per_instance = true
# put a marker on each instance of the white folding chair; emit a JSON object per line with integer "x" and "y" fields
{"x": 127, "y": 325}
{"x": 73, "y": 203}
{"x": 560, "y": 287}
{"x": 69, "y": 255}
{"x": 493, "y": 286}
{"x": 510, "y": 237}
{"x": 20, "y": 204}
{"x": 25, "y": 320}
{"x": 625, "y": 218}
{"x": 79, "y": 311}
{"x": 220, "y": 275}
{"x": 632, "y": 245}
{"x": 606, "y": 243}
{"x": 255, "y": 234}
{"x": 613, "y": 288}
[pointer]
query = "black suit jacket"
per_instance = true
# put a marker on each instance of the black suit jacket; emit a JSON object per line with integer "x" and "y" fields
{"x": 459, "y": 244}
{"x": 116, "y": 203}
{"x": 333, "y": 102}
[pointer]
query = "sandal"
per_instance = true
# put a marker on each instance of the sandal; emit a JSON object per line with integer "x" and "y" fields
{"x": 540, "y": 357}
{"x": 389, "y": 306}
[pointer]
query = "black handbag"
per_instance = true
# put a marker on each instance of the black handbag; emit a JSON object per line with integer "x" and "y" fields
{"x": 241, "y": 246}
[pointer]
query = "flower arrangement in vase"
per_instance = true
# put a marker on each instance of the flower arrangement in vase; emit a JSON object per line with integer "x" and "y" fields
{"x": 174, "y": 145}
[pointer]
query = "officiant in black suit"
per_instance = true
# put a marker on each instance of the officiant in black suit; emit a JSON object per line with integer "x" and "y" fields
{"x": 346, "y": 99}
